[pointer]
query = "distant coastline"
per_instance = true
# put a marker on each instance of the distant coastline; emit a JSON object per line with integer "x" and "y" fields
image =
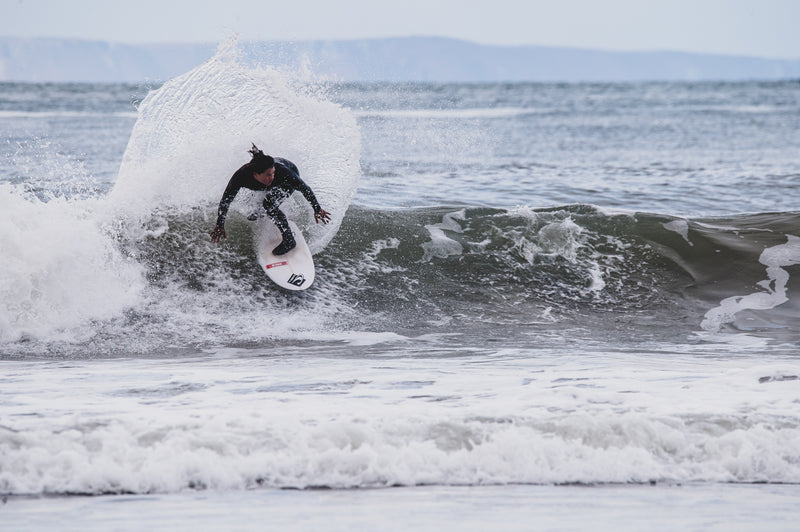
{"x": 423, "y": 59}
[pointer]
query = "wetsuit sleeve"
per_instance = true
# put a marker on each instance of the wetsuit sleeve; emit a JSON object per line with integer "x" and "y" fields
{"x": 227, "y": 198}
{"x": 305, "y": 190}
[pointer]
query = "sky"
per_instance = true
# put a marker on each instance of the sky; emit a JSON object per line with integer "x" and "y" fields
{"x": 760, "y": 28}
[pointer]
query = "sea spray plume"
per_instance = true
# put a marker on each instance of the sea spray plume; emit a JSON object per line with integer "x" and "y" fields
{"x": 48, "y": 173}
{"x": 189, "y": 133}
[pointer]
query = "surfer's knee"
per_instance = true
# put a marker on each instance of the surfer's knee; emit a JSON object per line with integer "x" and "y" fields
{"x": 273, "y": 211}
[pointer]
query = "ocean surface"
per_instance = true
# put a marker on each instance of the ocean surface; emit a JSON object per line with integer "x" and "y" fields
{"x": 537, "y": 306}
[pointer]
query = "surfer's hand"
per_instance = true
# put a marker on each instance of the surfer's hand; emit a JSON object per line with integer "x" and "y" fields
{"x": 322, "y": 216}
{"x": 218, "y": 234}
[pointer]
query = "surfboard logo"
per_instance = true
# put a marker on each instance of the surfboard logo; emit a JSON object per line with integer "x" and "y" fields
{"x": 297, "y": 280}
{"x": 275, "y": 265}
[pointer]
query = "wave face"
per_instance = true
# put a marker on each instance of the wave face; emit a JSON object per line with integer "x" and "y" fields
{"x": 448, "y": 270}
{"x": 539, "y": 269}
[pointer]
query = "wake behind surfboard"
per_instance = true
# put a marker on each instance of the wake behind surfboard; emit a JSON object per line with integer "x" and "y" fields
{"x": 293, "y": 270}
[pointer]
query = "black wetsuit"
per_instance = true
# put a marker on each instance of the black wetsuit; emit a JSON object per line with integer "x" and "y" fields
{"x": 287, "y": 180}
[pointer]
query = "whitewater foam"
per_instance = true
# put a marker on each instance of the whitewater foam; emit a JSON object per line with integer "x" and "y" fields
{"x": 239, "y": 422}
{"x": 60, "y": 268}
{"x": 441, "y": 245}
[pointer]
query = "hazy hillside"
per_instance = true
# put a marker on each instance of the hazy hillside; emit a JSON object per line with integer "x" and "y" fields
{"x": 395, "y": 59}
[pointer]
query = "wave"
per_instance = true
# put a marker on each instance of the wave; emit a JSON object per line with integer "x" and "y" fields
{"x": 338, "y": 454}
{"x": 578, "y": 260}
{"x": 478, "y": 272}
{"x": 255, "y": 427}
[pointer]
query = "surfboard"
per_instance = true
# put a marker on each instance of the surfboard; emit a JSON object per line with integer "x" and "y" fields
{"x": 293, "y": 270}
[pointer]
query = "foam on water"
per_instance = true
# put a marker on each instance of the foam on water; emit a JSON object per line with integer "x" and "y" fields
{"x": 233, "y": 422}
{"x": 441, "y": 245}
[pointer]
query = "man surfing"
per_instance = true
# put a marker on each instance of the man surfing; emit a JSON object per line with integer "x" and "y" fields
{"x": 279, "y": 178}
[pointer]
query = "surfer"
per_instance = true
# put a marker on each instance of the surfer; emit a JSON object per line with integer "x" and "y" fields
{"x": 279, "y": 178}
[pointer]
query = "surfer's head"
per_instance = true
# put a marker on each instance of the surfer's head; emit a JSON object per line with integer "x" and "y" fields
{"x": 260, "y": 162}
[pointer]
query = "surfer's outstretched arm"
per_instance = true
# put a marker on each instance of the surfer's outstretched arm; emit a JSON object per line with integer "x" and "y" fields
{"x": 222, "y": 211}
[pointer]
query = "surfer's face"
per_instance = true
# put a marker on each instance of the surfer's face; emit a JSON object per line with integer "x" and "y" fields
{"x": 266, "y": 176}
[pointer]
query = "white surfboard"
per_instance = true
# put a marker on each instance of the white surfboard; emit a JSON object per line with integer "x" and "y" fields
{"x": 293, "y": 270}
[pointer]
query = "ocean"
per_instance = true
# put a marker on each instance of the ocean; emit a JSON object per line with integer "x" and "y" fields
{"x": 536, "y": 307}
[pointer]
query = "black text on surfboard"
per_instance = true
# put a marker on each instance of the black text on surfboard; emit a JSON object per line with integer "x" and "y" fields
{"x": 297, "y": 280}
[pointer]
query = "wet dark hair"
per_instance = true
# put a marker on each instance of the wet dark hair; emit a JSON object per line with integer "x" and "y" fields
{"x": 260, "y": 162}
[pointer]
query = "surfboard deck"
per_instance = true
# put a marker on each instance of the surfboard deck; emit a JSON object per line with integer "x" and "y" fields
{"x": 293, "y": 270}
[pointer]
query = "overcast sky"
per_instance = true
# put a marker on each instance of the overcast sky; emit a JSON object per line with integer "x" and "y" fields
{"x": 765, "y": 28}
